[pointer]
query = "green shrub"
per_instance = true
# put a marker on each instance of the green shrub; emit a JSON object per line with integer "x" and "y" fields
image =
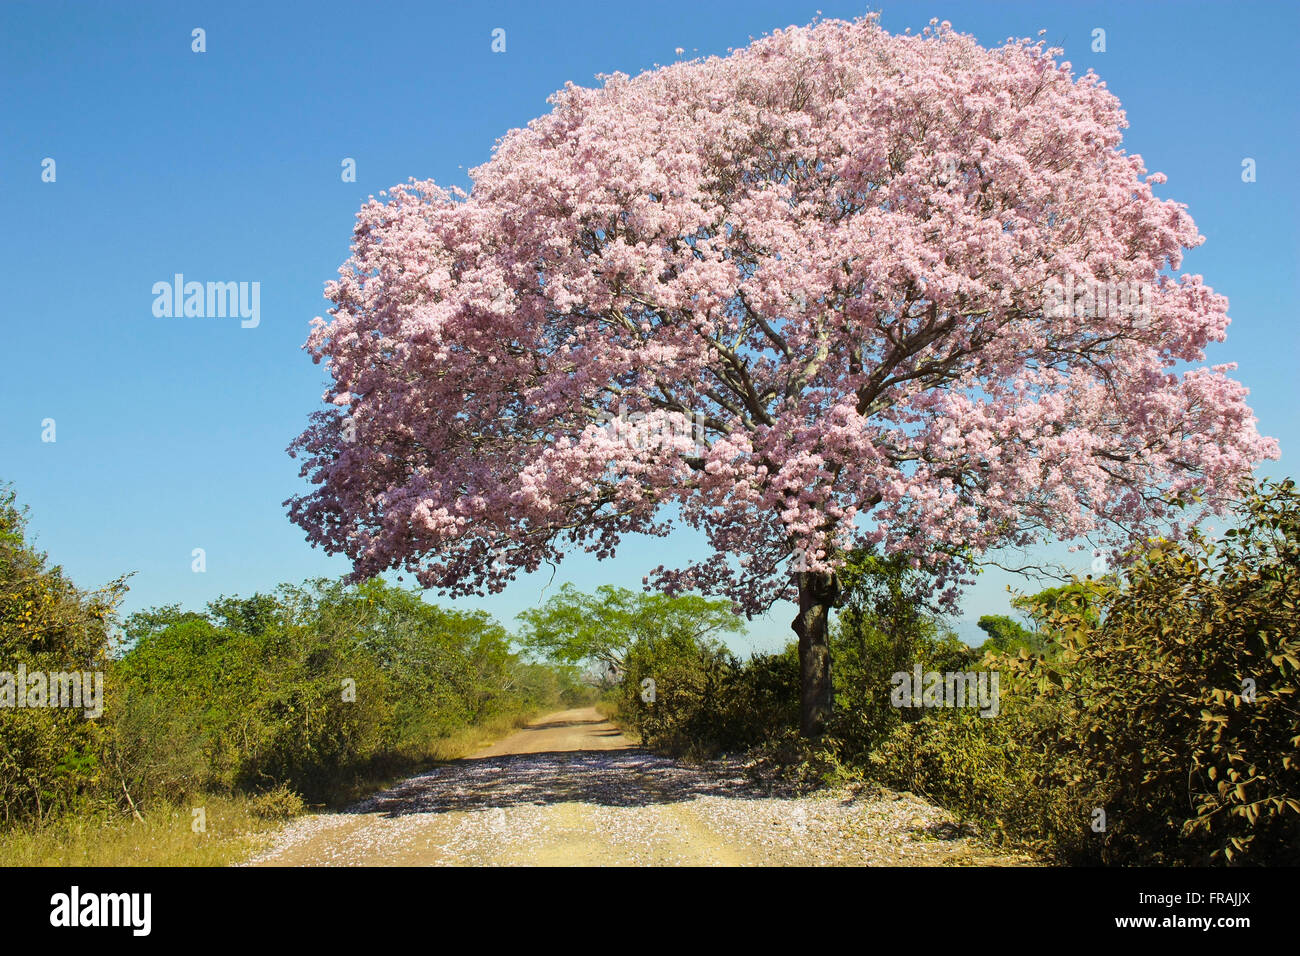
{"x": 279, "y": 803}
{"x": 1167, "y": 710}
{"x": 673, "y": 693}
{"x": 1181, "y": 699}
{"x": 50, "y": 757}
{"x": 705, "y": 700}
{"x": 1013, "y": 773}
{"x": 310, "y": 688}
{"x": 883, "y": 627}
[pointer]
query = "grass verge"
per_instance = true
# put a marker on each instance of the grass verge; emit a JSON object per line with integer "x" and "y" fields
{"x": 234, "y": 827}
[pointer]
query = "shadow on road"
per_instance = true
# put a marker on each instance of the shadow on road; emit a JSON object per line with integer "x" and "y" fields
{"x": 616, "y": 778}
{"x": 554, "y": 724}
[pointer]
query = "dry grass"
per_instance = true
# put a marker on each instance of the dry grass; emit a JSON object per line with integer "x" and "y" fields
{"x": 163, "y": 838}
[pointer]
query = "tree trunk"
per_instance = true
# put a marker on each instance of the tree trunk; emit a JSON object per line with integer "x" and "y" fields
{"x": 817, "y": 593}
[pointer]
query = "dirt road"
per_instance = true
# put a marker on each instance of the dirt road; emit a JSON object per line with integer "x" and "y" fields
{"x": 570, "y": 789}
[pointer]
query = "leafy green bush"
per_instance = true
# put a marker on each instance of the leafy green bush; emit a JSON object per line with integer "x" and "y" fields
{"x": 1015, "y": 773}
{"x": 704, "y": 700}
{"x": 763, "y": 698}
{"x": 279, "y": 803}
{"x": 309, "y": 688}
{"x": 50, "y": 757}
{"x": 884, "y": 627}
{"x": 674, "y": 692}
{"x": 1164, "y": 728}
{"x": 1182, "y": 699}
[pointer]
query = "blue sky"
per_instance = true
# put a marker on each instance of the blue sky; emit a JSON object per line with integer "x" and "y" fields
{"x": 225, "y": 166}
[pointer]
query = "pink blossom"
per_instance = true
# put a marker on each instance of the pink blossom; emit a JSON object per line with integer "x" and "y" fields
{"x": 831, "y": 248}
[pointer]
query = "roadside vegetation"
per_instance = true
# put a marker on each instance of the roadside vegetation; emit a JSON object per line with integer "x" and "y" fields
{"x": 217, "y": 724}
{"x": 1145, "y": 717}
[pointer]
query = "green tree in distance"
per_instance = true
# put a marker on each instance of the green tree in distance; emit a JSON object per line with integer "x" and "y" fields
{"x": 1007, "y": 636}
{"x": 575, "y": 628}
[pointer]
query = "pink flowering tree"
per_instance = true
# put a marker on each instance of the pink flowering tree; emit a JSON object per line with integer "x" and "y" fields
{"x": 836, "y": 290}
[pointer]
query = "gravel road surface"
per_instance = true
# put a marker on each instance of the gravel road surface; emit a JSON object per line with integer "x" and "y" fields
{"x": 570, "y": 789}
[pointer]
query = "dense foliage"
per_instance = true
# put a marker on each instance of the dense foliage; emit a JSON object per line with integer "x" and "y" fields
{"x": 703, "y": 698}
{"x": 309, "y": 686}
{"x": 48, "y": 756}
{"x": 1183, "y": 700}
